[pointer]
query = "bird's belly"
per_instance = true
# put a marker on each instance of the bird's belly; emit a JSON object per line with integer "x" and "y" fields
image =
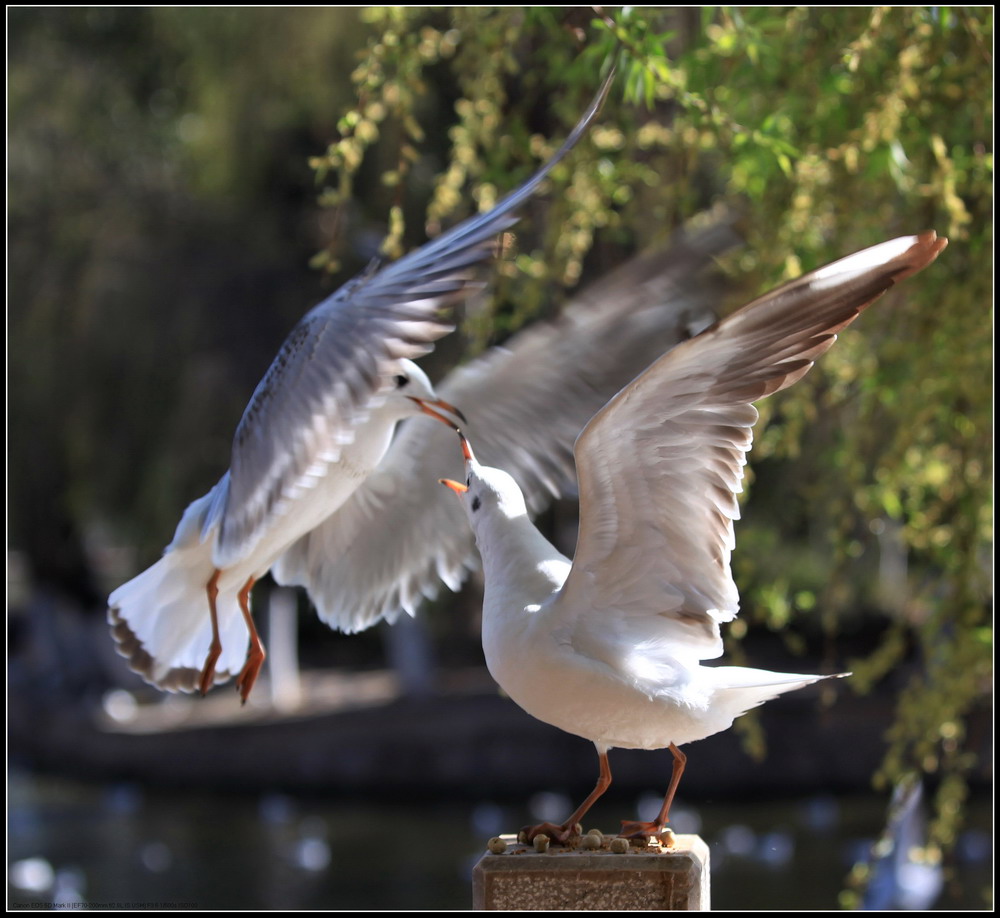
{"x": 310, "y": 509}
{"x": 586, "y": 698}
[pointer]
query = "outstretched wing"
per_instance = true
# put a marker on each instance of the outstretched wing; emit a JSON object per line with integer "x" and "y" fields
{"x": 394, "y": 541}
{"x": 339, "y": 359}
{"x": 660, "y": 466}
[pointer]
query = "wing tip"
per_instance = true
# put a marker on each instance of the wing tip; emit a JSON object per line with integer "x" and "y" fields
{"x": 925, "y": 249}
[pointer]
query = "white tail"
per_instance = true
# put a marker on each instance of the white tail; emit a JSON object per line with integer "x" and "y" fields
{"x": 160, "y": 621}
{"x": 752, "y": 687}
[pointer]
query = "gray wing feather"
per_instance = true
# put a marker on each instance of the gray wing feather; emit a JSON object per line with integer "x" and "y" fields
{"x": 527, "y": 403}
{"x": 660, "y": 466}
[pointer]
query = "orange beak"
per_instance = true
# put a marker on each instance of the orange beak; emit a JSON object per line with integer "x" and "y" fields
{"x": 457, "y": 486}
{"x": 466, "y": 449}
{"x": 428, "y": 407}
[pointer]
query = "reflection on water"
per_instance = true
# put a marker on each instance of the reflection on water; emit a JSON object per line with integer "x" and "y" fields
{"x": 71, "y": 843}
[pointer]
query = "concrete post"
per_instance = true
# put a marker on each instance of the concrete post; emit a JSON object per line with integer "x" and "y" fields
{"x": 654, "y": 877}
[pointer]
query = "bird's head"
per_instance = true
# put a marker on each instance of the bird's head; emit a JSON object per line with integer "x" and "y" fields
{"x": 412, "y": 394}
{"x": 487, "y": 491}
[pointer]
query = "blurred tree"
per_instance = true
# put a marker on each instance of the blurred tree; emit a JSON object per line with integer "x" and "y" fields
{"x": 156, "y": 204}
{"x": 831, "y": 129}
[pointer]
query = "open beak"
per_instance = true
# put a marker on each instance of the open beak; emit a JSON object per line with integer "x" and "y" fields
{"x": 429, "y": 407}
{"x": 457, "y": 486}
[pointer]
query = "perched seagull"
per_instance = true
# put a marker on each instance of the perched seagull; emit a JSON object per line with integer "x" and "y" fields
{"x": 533, "y": 396}
{"x": 608, "y": 646}
{"x": 316, "y": 427}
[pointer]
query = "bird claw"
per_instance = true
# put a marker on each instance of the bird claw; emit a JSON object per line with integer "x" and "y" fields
{"x": 558, "y": 834}
{"x": 248, "y": 676}
{"x": 208, "y": 671}
{"x": 641, "y": 830}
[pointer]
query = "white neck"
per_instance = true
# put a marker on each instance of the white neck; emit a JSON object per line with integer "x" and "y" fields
{"x": 522, "y": 570}
{"x": 374, "y": 438}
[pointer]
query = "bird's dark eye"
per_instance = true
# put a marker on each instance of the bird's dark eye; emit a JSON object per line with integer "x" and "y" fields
{"x": 475, "y": 504}
{"x": 401, "y": 381}
{"x": 468, "y": 482}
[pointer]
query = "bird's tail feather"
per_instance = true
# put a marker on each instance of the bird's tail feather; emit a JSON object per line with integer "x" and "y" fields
{"x": 747, "y": 688}
{"x": 160, "y": 621}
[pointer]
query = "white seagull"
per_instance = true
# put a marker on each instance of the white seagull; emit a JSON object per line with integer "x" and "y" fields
{"x": 609, "y": 646}
{"x": 316, "y": 427}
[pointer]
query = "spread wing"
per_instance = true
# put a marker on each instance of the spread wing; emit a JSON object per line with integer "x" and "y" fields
{"x": 340, "y": 357}
{"x": 394, "y": 541}
{"x": 660, "y": 466}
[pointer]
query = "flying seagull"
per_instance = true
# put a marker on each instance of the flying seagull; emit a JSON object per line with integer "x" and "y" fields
{"x": 317, "y": 425}
{"x": 609, "y": 646}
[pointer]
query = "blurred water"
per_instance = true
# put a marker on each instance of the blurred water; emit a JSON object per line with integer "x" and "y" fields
{"x": 71, "y": 843}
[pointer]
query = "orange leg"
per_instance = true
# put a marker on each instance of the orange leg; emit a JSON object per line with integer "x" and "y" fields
{"x": 647, "y": 829}
{"x": 257, "y": 654}
{"x": 568, "y": 829}
{"x": 215, "y": 648}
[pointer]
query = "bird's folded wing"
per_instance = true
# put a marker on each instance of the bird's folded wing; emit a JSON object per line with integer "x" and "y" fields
{"x": 339, "y": 359}
{"x": 660, "y": 466}
{"x": 400, "y": 535}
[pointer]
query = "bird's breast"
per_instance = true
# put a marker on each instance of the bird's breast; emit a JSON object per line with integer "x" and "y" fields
{"x": 538, "y": 667}
{"x": 312, "y": 501}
